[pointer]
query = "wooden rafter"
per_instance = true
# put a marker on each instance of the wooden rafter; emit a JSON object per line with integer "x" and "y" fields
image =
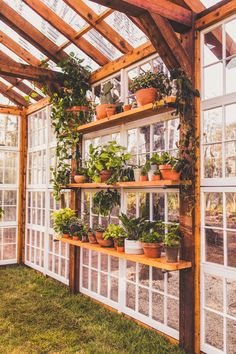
{"x": 30, "y": 33}
{"x": 57, "y": 22}
{"x": 6, "y": 109}
{"x": 12, "y": 95}
{"x": 195, "y": 5}
{"x": 101, "y": 26}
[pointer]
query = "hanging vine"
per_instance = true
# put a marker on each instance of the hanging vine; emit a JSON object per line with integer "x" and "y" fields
{"x": 70, "y": 108}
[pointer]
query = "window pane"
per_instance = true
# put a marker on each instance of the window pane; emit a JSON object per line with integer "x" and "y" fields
{"x": 230, "y": 38}
{"x": 212, "y": 155}
{"x": 230, "y": 159}
{"x": 231, "y": 291}
{"x": 230, "y": 122}
{"x": 212, "y": 125}
{"x": 159, "y": 136}
{"x": 144, "y": 139}
{"x": 214, "y": 209}
{"x": 231, "y": 248}
{"x": 214, "y": 246}
{"x": 158, "y": 206}
{"x": 231, "y": 75}
{"x": 231, "y": 210}
{"x": 213, "y": 81}
{"x": 213, "y": 46}
{"x": 214, "y": 330}
{"x": 214, "y": 292}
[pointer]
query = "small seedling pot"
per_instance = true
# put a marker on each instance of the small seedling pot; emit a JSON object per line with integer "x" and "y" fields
{"x": 76, "y": 238}
{"x": 145, "y": 96}
{"x": 127, "y": 107}
{"x": 143, "y": 178}
{"x": 133, "y": 247}
{"x": 156, "y": 178}
{"x": 66, "y": 236}
{"x": 152, "y": 250}
{"x": 168, "y": 173}
{"x": 105, "y": 175}
{"x": 172, "y": 254}
{"x": 101, "y": 112}
{"x": 120, "y": 249}
{"x": 79, "y": 179}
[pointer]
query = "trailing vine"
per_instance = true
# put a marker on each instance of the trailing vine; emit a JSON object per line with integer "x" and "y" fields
{"x": 74, "y": 83}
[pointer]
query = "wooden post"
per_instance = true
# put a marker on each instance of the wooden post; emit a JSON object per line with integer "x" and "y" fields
{"x": 22, "y": 188}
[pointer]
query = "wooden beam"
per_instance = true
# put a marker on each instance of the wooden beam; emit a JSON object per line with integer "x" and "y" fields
{"x": 215, "y": 14}
{"x": 102, "y": 27}
{"x": 28, "y": 72}
{"x": 195, "y": 5}
{"x": 164, "y": 8}
{"x": 126, "y": 60}
{"x": 30, "y": 33}
{"x": 173, "y": 42}
{"x": 14, "y": 110}
{"x": 37, "y": 106}
{"x": 12, "y": 95}
{"x": 57, "y": 22}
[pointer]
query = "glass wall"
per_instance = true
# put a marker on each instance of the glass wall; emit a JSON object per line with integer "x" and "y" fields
{"x": 9, "y": 180}
{"x": 218, "y": 189}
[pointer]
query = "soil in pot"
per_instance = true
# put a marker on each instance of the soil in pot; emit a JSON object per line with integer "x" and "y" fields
{"x": 145, "y": 96}
{"x": 143, "y": 178}
{"x": 120, "y": 249}
{"x": 172, "y": 254}
{"x": 156, "y": 178}
{"x": 92, "y": 238}
{"x": 66, "y": 236}
{"x": 111, "y": 111}
{"x": 152, "y": 250}
{"x": 101, "y": 110}
{"x": 168, "y": 173}
{"x": 105, "y": 175}
{"x": 79, "y": 179}
{"x": 127, "y": 107}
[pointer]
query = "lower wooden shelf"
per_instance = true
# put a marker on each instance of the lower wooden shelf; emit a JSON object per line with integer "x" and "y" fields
{"x": 154, "y": 262}
{"x": 163, "y": 183}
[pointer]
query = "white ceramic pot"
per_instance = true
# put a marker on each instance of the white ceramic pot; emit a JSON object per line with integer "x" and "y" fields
{"x": 153, "y": 168}
{"x": 150, "y": 174}
{"x": 137, "y": 174}
{"x": 133, "y": 247}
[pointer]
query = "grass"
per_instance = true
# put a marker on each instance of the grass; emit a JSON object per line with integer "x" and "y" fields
{"x": 39, "y": 315}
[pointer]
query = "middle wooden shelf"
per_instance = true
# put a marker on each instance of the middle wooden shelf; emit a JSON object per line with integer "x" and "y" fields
{"x": 147, "y": 184}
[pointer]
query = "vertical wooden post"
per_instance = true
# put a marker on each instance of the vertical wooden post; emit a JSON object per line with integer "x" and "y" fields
{"x": 22, "y": 187}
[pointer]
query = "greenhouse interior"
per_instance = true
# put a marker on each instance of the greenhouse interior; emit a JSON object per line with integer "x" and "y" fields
{"x": 118, "y": 176}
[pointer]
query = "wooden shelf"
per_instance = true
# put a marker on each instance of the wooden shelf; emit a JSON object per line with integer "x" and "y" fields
{"x": 148, "y": 184}
{"x": 154, "y": 262}
{"x": 129, "y": 116}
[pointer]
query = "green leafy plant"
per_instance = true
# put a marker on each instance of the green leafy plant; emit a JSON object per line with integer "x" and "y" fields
{"x": 167, "y": 159}
{"x": 134, "y": 226}
{"x": 111, "y": 157}
{"x": 76, "y": 227}
{"x": 149, "y": 79}
{"x": 115, "y": 232}
{"x": 157, "y": 172}
{"x": 154, "y": 232}
{"x": 1, "y": 213}
{"x": 154, "y": 160}
{"x": 125, "y": 174}
{"x": 62, "y": 219}
{"x": 144, "y": 170}
{"x": 106, "y": 96}
{"x": 172, "y": 236}
{"x": 104, "y": 201}
{"x": 99, "y": 228}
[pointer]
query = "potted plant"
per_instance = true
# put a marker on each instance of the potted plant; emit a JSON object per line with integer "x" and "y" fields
{"x": 116, "y": 233}
{"x": 152, "y": 240}
{"x": 76, "y": 229}
{"x": 167, "y": 167}
{"x": 120, "y": 245}
{"x": 100, "y": 237}
{"x": 137, "y": 172}
{"x": 144, "y": 174}
{"x": 110, "y": 110}
{"x": 91, "y": 236}
{"x": 61, "y": 221}
{"x": 134, "y": 227}
{"x": 1, "y": 213}
{"x": 172, "y": 243}
{"x": 156, "y": 175}
{"x": 104, "y": 160}
{"x": 80, "y": 175}
{"x": 149, "y": 86}
{"x": 107, "y": 99}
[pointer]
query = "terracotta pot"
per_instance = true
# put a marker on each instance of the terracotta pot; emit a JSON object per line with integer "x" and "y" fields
{"x": 77, "y": 109}
{"x": 143, "y": 178}
{"x": 101, "y": 110}
{"x": 111, "y": 111}
{"x": 172, "y": 254}
{"x": 99, "y": 235}
{"x": 105, "y": 175}
{"x": 156, "y": 178}
{"x": 85, "y": 238}
{"x": 145, "y": 96}
{"x": 66, "y": 236}
{"x": 152, "y": 250}
{"x": 92, "y": 238}
{"x": 168, "y": 173}
{"x": 105, "y": 243}
{"x": 127, "y": 107}
{"x": 76, "y": 238}
{"x": 120, "y": 249}
{"x": 115, "y": 243}
{"x": 79, "y": 179}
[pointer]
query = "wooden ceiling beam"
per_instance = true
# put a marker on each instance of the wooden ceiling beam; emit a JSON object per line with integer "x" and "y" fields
{"x": 6, "y": 109}
{"x": 195, "y": 5}
{"x": 30, "y": 33}
{"x": 164, "y": 8}
{"x": 64, "y": 28}
{"x": 102, "y": 27}
{"x": 12, "y": 95}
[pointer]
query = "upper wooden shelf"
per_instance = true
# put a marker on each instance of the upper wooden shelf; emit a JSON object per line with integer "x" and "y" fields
{"x": 129, "y": 116}
{"x": 154, "y": 262}
{"x": 148, "y": 184}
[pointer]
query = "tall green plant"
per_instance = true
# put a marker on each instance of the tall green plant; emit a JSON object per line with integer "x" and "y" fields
{"x": 105, "y": 201}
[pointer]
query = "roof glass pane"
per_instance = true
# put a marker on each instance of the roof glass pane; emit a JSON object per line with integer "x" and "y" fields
{"x": 126, "y": 28}
{"x": 4, "y": 100}
{"x": 24, "y": 95}
{"x": 11, "y": 54}
{"x": 96, "y": 7}
{"x": 33, "y": 87}
{"x": 21, "y": 41}
{"x": 38, "y": 22}
{"x": 66, "y": 13}
{"x": 87, "y": 60}
{"x": 209, "y": 3}
{"x": 5, "y": 82}
{"x": 105, "y": 47}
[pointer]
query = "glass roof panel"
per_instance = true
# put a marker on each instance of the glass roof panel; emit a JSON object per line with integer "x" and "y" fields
{"x": 209, "y": 3}
{"x": 33, "y": 87}
{"x": 126, "y": 28}
{"x": 105, "y": 47}
{"x": 38, "y": 22}
{"x": 11, "y": 54}
{"x": 87, "y": 60}
{"x": 5, "y": 82}
{"x": 96, "y": 7}
{"x": 4, "y": 100}
{"x": 23, "y": 94}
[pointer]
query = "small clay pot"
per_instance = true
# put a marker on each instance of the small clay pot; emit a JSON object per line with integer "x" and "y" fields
{"x": 84, "y": 238}
{"x": 127, "y": 107}
{"x": 76, "y": 238}
{"x": 99, "y": 235}
{"x": 105, "y": 243}
{"x": 76, "y": 109}
{"x": 152, "y": 250}
{"x": 143, "y": 178}
{"x": 172, "y": 254}
{"x": 105, "y": 175}
{"x": 111, "y": 111}
{"x": 156, "y": 178}
{"x": 92, "y": 238}
{"x": 101, "y": 110}
{"x": 120, "y": 249}
{"x": 66, "y": 236}
{"x": 168, "y": 173}
{"x": 145, "y": 96}
{"x": 79, "y": 179}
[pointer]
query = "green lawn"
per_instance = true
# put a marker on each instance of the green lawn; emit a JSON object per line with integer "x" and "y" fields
{"x": 39, "y": 315}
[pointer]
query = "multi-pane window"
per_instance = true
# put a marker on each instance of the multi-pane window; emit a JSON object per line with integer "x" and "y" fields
{"x": 98, "y": 141}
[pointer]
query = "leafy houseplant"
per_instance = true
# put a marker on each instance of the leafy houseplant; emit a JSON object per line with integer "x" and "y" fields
{"x": 80, "y": 175}
{"x": 168, "y": 167}
{"x": 152, "y": 240}
{"x": 77, "y": 229}
{"x": 156, "y": 175}
{"x": 61, "y": 221}
{"x": 120, "y": 246}
{"x": 104, "y": 160}
{"x": 116, "y": 233}
{"x": 172, "y": 242}
{"x": 150, "y": 86}
{"x": 107, "y": 99}
{"x": 144, "y": 176}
